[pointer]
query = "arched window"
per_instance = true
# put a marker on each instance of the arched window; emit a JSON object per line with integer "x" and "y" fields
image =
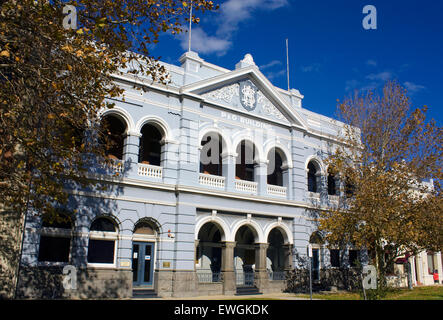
{"x": 144, "y": 228}
{"x": 312, "y": 177}
{"x": 210, "y": 155}
{"x": 113, "y": 136}
{"x": 102, "y": 241}
{"x": 55, "y": 240}
{"x": 349, "y": 187}
{"x": 244, "y": 169}
{"x": 150, "y": 145}
{"x": 332, "y": 186}
{"x": 275, "y": 171}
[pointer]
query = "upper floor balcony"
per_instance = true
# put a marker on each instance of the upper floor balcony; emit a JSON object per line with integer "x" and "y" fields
{"x": 246, "y": 172}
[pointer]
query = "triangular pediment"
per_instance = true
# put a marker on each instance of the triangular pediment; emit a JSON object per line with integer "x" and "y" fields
{"x": 247, "y": 90}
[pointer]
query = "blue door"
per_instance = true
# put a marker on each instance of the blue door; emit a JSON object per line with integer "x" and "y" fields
{"x": 142, "y": 263}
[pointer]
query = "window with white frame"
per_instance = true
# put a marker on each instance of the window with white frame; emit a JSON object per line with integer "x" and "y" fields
{"x": 102, "y": 241}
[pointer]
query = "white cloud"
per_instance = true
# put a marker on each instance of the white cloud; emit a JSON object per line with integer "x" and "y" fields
{"x": 203, "y": 43}
{"x": 412, "y": 87}
{"x": 382, "y": 76}
{"x": 233, "y": 12}
{"x": 227, "y": 20}
{"x": 311, "y": 68}
{"x": 271, "y": 64}
{"x": 371, "y": 63}
{"x": 274, "y": 75}
{"x": 351, "y": 84}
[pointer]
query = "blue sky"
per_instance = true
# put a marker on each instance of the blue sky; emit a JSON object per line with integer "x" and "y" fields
{"x": 330, "y": 52}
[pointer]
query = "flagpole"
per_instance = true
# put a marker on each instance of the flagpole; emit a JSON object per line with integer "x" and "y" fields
{"x": 190, "y": 28}
{"x": 287, "y": 62}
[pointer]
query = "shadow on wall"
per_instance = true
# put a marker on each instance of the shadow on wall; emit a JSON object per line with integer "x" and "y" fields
{"x": 9, "y": 252}
{"x": 44, "y": 280}
{"x": 339, "y": 278}
{"x": 47, "y": 283}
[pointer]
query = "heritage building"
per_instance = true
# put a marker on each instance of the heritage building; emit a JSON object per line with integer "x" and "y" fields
{"x": 214, "y": 180}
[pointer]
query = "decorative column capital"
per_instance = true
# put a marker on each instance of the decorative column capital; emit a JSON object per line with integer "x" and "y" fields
{"x": 133, "y": 134}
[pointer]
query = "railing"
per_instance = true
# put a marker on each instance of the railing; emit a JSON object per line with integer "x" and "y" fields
{"x": 244, "y": 279}
{"x": 147, "y": 170}
{"x": 116, "y": 166}
{"x": 247, "y": 186}
{"x": 209, "y": 277}
{"x": 277, "y": 275}
{"x": 277, "y": 190}
{"x": 211, "y": 180}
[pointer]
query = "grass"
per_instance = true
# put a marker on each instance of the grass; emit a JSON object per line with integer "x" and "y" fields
{"x": 418, "y": 293}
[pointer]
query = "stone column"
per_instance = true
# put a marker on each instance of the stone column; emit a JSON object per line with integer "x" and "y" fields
{"x": 227, "y": 268}
{"x": 261, "y": 176}
{"x": 261, "y": 276}
{"x": 288, "y": 257}
{"x": 130, "y": 153}
{"x": 228, "y": 168}
{"x": 287, "y": 181}
{"x": 169, "y": 160}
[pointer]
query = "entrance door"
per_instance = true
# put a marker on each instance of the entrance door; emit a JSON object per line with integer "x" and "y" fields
{"x": 142, "y": 263}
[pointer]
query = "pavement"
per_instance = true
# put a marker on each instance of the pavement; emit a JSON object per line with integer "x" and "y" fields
{"x": 270, "y": 296}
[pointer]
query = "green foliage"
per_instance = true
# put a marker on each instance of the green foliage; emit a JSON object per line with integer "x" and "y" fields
{"x": 388, "y": 152}
{"x": 54, "y": 83}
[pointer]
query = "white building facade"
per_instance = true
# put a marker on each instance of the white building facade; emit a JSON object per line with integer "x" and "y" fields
{"x": 214, "y": 180}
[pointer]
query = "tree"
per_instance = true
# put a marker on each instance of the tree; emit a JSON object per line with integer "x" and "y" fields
{"x": 54, "y": 82}
{"x": 390, "y": 164}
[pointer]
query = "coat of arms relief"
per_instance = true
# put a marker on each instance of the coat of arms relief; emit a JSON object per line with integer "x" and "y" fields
{"x": 248, "y": 95}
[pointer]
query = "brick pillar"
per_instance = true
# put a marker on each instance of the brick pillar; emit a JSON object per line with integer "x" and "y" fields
{"x": 261, "y": 276}
{"x": 288, "y": 257}
{"x": 227, "y": 268}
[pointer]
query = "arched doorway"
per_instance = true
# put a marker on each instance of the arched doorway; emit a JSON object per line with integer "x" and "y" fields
{"x": 209, "y": 253}
{"x": 244, "y": 256}
{"x": 143, "y": 253}
{"x": 316, "y": 241}
{"x": 275, "y": 254}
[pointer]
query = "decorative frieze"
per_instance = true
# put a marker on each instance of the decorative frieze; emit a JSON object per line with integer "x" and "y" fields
{"x": 225, "y": 94}
{"x": 248, "y": 96}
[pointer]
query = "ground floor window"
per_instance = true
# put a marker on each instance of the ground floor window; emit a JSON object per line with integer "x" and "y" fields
{"x": 55, "y": 238}
{"x": 54, "y": 249}
{"x": 335, "y": 258}
{"x": 354, "y": 258}
{"x": 102, "y": 241}
{"x": 101, "y": 251}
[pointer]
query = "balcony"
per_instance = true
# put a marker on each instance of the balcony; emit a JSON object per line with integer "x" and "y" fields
{"x": 212, "y": 180}
{"x": 246, "y": 186}
{"x": 276, "y": 190}
{"x": 147, "y": 170}
{"x": 115, "y": 167}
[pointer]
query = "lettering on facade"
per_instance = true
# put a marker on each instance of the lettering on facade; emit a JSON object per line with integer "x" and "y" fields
{"x": 245, "y": 121}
